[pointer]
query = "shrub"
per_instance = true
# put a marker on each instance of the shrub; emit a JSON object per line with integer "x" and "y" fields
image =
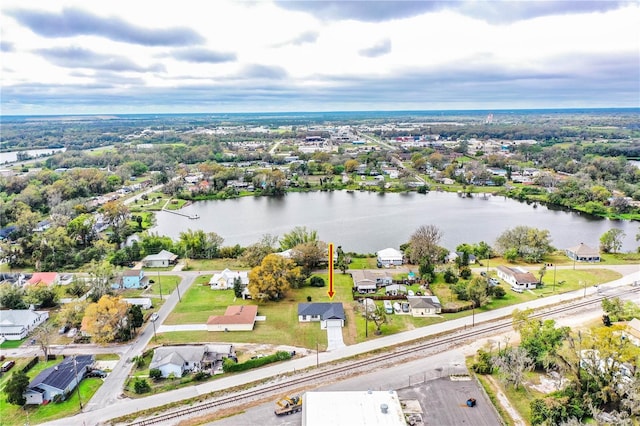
{"x": 316, "y": 282}
{"x": 141, "y": 386}
{"x": 230, "y": 366}
{"x": 155, "y": 373}
{"x": 201, "y": 375}
{"x": 498, "y": 292}
{"x": 465, "y": 272}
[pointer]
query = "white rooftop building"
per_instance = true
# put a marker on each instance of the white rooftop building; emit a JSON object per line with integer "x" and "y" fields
{"x": 349, "y": 408}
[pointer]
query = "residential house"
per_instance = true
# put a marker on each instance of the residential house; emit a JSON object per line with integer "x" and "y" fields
{"x": 389, "y": 256}
{"x": 162, "y": 259}
{"x": 235, "y": 318}
{"x": 143, "y": 302}
{"x": 364, "y": 286}
{"x": 5, "y": 233}
{"x": 133, "y": 278}
{"x": 329, "y": 314}
{"x": 16, "y": 324}
{"x": 369, "y": 281}
{"x": 517, "y": 277}
{"x": 583, "y": 253}
{"x": 454, "y": 255}
{"x": 422, "y": 306}
{"x": 177, "y": 360}
{"x": 61, "y": 379}
{"x": 225, "y": 280}
{"x": 44, "y": 278}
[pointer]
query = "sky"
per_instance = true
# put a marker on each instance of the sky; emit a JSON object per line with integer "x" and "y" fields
{"x": 140, "y": 56}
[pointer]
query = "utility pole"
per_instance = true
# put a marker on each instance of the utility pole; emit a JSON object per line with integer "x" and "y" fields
{"x": 75, "y": 369}
{"x": 473, "y": 315}
{"x": 317, "y": 354}
{"x": 160, "y": 284}
{"x": 155, "y": 337}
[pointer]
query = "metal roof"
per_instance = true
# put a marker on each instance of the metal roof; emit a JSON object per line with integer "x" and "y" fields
{"x": 61, "y": 375}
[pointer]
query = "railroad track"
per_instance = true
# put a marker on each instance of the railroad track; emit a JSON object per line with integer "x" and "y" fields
{"x": 453, "y": 338}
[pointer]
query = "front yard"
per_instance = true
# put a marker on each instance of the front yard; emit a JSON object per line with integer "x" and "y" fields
{"x": 15, "y": 415}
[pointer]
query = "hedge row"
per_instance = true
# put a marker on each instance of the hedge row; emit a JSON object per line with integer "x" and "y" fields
{"x": 230, "y": 366}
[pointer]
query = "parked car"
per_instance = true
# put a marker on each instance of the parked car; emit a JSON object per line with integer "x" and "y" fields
{"x": 483, "y": 273}
{"x": 7, "y": 366}
{"x": 153, "y": 317}
{"x": 97, "y": 373}
{"x": 63, "y": 329}
{"x": 494, "y": 281}
{"x": 72, "y": 332}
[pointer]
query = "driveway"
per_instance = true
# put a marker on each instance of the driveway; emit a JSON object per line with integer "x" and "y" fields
{"x": 334, "y": 337}
{"x": 182, "y": 327}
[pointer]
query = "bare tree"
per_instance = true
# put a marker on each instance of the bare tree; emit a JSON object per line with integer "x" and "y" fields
{"x": 43, "y": 336}
{"x": 423, "y": 244}
{"x": 512, "y": 363}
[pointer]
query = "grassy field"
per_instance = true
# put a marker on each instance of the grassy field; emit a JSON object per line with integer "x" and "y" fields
{"x": 214, "y": 265}
{"x": 280, "y": 327}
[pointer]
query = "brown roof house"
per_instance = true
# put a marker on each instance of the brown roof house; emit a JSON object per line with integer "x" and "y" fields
{"x": 517, "y": 277}
{"x": 235, "y": 318}
{"x": 583, "y": 253}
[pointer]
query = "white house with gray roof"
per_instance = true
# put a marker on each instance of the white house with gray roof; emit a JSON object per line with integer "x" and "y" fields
{"x": 177, "y": 360}
{"x": 61, "y": 379}
{"x": 16, "y": 324}
{"x": 328, "y": 314}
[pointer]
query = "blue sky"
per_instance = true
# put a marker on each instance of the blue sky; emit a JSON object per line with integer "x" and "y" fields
{"x": 72, "y": 57}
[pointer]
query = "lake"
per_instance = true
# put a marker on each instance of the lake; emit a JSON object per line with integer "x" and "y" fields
{"x": 12, "y": 157}
{"x": 365, "y": 222}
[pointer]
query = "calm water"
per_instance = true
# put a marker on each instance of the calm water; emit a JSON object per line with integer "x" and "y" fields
{"x": 367, "y": 222}
{"x": 12, "y": 157}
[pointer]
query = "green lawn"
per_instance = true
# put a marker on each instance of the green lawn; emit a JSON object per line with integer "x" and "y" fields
{"x": 280, "y": 327}
{"x": 214, "y": 264}
{"x": 11, "y": 344}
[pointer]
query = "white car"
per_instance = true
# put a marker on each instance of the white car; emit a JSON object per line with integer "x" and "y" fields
{"x": 153, "y": 317}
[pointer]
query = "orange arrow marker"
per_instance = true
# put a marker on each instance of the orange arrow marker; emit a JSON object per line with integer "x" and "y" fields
{"x": 331, "y": 292}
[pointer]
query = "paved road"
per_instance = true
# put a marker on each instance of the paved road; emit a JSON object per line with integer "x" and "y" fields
{"x": 128, "y": 406}
{"x": 109, "y": 393}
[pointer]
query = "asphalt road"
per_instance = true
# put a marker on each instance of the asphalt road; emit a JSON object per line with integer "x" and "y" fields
{"x": 109, "y": 393}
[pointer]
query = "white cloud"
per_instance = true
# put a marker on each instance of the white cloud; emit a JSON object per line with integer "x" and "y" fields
{"x": 232, "y": 47}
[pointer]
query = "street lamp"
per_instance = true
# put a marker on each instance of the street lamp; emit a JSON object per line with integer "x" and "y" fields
{"x": 178, "y": 288}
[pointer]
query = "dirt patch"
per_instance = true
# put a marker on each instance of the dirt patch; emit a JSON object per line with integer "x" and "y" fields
{"x": 506, "y": 405}
{"x": 548, "y": 383}
{"x": 352, "y": 332}
{"x": 247, "y": 350}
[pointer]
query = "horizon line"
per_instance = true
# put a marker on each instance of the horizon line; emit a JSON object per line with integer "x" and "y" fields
{"x": 96, "y": 114}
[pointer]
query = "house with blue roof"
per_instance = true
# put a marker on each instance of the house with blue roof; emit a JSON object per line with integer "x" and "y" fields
{"x": 61, "y": 379}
